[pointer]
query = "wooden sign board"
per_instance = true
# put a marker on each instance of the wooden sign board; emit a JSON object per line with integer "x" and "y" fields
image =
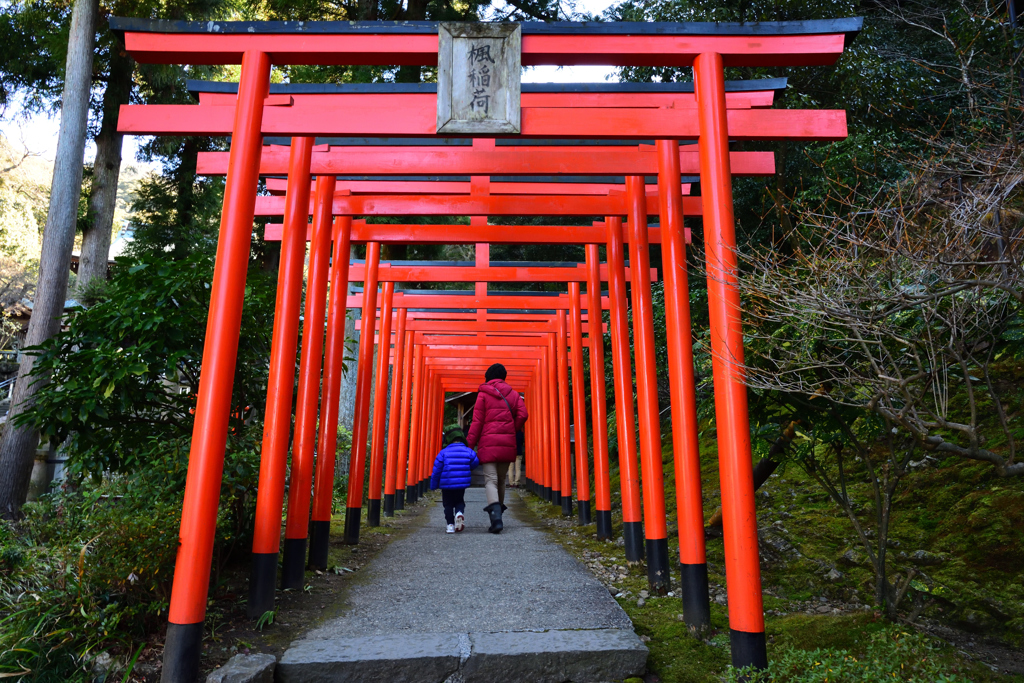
{"x": 478, "y": 74}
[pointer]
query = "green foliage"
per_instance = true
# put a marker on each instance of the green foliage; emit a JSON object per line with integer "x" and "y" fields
{"x": 342, "y": 451}
{"x": 266, "y": 619}
{"x": 891, "y": 655}
{"x": 89, "y": 569}
{"x": 125, "y": 372}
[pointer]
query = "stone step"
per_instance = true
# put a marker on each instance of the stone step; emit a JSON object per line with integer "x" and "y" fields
{"x": 553, "y": 656}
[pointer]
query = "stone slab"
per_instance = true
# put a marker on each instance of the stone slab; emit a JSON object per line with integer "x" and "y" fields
{"x": 406, "y": 658}
{"x": 255, "y": 668}
{"x": 576, "y": 656}
{"x": 584, "y": 656}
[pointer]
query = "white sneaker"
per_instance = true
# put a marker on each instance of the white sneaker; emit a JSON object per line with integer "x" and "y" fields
{"x": 450, "y": 529}
{"x": 460, "y": 521}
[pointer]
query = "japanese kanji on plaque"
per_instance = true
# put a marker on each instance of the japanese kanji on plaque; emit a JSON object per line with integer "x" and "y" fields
{"x": 478, "y": 78}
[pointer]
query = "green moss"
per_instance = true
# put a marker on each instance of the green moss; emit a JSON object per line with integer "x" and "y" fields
{"x": 959, "y": 511}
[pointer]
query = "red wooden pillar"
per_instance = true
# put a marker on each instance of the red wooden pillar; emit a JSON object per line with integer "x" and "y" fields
{"x": 599, "y": 415}
{"x": 579, "y": 404}
{"x": 544, "y": 445}
{"x": 391, "y": 469}
{"x": 556, "y": 427}
{"x": 183, "y": 644}
{"x": 293, "y": 561}
{"x": 334, "y": 361}
{"x": 438, "y": 433}
{"x": 427, "y": 449}
{"x": 685, "y": 445}
{"x": 364, "y": 373}
{"x": 436, "y": 422}
{"x": 739, "y": 516}
{"x": 416, "y": 425}
{"x": 528, "y": 437}
{"x": 380, "y": 405}
{"x": 427, "y": 445}
{"x": 632, "y": 524}
{"x": 541, "y": 483}
{"x": 266, "y": 540}
{"x": 652, "y": 476}
{"x": 534, "y": 436}
{"x": 565, "y": 448}
{"x": 555, "y": 459}
{"x": 403, "y": 427}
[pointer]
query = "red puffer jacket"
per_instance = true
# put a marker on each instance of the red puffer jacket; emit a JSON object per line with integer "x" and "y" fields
{"x": 493, "y": 432}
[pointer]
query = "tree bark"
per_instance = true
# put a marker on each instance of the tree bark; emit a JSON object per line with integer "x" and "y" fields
{"x": 92, "y": 264}
{"x": 347, "y": 399}
{"x": 17, "y": 449}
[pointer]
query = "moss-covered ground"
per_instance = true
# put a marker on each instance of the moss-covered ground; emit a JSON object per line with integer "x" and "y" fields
{"x": 969, "y": 522}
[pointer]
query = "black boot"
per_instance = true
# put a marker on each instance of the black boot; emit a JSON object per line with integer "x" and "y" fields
{"x": 494, "y": 511}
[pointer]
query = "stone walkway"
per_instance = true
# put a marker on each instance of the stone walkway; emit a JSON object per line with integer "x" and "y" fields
{"x": 437, "y": 607}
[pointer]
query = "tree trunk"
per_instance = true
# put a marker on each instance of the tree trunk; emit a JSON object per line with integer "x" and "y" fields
{"x": 17, "y": 449}
{"x": 347, "y": 399}
{"x": 106, "y": 171}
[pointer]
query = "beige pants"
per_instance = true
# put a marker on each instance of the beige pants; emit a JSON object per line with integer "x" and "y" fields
{"x": 494, "y": 481}
{"x": 515, "y": 471}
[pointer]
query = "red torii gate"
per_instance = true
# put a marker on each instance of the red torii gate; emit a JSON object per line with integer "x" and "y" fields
{"x": 658, "y": 570}
{"x": 708, "y": 48}
{"x": 655, "y": 528}
{"x": 635, "y": 549}
{"x": 294, "y": 547}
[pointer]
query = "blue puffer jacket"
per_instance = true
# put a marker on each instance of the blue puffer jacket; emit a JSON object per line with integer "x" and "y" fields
{"x": 452, "y": 467}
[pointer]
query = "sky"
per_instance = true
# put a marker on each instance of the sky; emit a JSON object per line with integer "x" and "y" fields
{"x": 38, "y": 132}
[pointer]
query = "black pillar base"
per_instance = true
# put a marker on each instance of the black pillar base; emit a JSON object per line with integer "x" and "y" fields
{"x": 567, "y": 505}
{"x": 352, "y": 520}
{"x": 373, "y": 512}
{"x": 182, "y": 648}
{"x": 545, "y": 493}
{"x": 389, "y": 505}
{"x": 262, "y": 584}
{"x": 423, "y": 488}
{"x": 604, "y": 524}
{"x": 319, "y": 543}
{"x": 556, "y": 497}
{"x": 696, "y": 602}
{"x": 659, "y": 577}
{"x": 633, "y": 535}
{"x": 293, "y": 563}
{"x": 410, "y": 494}
{"x": 583, "y": 512}
{"x": 399, "y": 500}
{"x": 748, "y": 649}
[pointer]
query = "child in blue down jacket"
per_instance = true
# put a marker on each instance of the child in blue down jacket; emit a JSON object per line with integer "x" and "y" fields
{"x": 452, "y": 469}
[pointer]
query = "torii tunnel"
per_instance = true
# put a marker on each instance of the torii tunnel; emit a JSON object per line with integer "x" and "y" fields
{"x": 331, "y": 153}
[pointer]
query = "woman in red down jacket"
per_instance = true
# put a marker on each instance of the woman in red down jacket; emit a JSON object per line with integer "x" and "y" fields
{"x": 499, "y": 413}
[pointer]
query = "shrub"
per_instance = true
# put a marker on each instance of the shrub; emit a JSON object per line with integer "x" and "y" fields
{"x": 90, "y": 567}
{"x": 892, "y": 655}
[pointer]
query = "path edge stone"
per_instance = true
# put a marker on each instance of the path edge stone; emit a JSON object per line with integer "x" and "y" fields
{"x": 251, "y": 668}
{"x": 552, "y": 656}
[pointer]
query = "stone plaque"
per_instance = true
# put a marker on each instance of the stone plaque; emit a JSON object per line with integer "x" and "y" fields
{"x": 478, "y": 78}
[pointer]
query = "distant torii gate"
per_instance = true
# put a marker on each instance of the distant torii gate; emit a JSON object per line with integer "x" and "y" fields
{"x": 708, "y": 48}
